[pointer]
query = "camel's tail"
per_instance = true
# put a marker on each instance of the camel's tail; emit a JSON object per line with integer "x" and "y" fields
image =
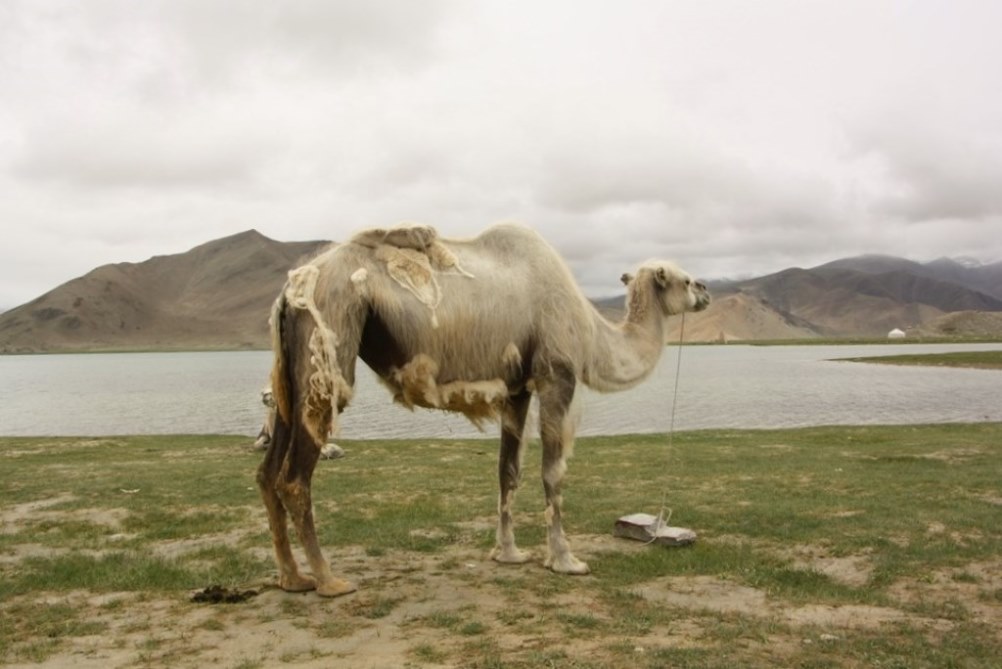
{"x": 306, "y": 381}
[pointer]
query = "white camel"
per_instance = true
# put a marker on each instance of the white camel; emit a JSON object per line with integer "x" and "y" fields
{"x": 473, "y": 326}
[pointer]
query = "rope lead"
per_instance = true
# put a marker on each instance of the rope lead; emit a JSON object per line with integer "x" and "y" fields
{"x": 662, "y": 521}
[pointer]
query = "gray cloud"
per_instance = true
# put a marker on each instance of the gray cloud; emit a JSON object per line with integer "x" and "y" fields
{"x": 132, "y": 152}
{"x": 936, "y": 172}
{"x": 734, "y": 138}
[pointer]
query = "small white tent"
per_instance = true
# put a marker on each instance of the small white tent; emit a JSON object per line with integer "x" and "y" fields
{"x": 896, "y": 334}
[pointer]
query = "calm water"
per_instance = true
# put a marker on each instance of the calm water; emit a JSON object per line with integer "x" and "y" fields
{"x": 719, "y": 386}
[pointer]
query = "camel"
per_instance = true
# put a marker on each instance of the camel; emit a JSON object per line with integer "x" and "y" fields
{"x": 475, "y": 326}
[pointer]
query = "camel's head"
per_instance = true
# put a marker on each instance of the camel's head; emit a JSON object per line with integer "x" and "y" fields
{"x": 672, "y": 288}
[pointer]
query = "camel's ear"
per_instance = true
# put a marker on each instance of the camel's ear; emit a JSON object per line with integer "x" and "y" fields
{"x": 661, "y": 276}
{"x": 626, "y": 278}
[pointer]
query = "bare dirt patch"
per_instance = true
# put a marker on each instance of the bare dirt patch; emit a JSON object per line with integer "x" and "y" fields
{"x": 706, "y": 593}
{"x": 973, "y": 589}
{"x": 852, "y": 570}
{"x": 11, "y": 518}
{"x": 175, "y": 548}
{"x": 19, "y": 516}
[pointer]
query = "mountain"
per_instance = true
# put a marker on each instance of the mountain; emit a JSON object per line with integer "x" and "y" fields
{"x": 216, "y": 295}
{"x": 967, "y": 273}
{"x": 965, "y": 324}
{"x": 984, "y": 278}
{"x": 731, "y": 316}
{"x": 864, "y": 296}
{"x": 870, "y": 295}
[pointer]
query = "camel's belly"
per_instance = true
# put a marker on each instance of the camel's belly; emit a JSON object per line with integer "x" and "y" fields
{"x": 417, "y": 384}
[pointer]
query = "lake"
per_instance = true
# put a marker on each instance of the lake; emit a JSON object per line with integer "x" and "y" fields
{"x": 732, "y": 386}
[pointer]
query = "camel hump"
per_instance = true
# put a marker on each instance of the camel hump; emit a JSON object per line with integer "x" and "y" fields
{"x": 412, "y": 256}
{"x": 417, "y": 236}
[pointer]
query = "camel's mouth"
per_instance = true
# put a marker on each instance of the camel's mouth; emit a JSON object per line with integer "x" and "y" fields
{"x": 702, "y": 298}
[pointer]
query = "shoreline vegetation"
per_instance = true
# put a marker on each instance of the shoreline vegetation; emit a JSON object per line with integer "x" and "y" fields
{"x": 967, "y": 359}
{"x": 818, "y": 547}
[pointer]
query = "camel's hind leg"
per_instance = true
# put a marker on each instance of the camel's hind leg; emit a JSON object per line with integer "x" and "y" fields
{"x": 557, "y": 431}
{"x": 509, "y": 474}
{"x": 268, "y": 475}
{"x": 284, "y": 478}
{"x": 295, "y": 492}
{"x": 308, "y": 387}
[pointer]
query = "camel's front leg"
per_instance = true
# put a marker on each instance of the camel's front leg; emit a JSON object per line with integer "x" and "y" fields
{"x": 509, "y": 475}
{"x": 557, "y": 432}
{"x": 294, "y": 490}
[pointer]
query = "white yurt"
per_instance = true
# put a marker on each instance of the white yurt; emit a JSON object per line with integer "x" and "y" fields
{"x": 896, "y": 333}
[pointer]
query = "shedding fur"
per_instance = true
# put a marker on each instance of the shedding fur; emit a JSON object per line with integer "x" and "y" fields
{"x": 326, "y": 387}
{"x": 413, "y": 258}
{"x": 358, "y": 279}
{"x": 405, "y": 235}
{"x": 512, "y": 359}
{"x": 507, "y": 323}
{"x": 479, "y": 401}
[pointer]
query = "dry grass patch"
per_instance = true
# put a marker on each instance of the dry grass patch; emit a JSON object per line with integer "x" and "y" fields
{"x": 804, "y": 557}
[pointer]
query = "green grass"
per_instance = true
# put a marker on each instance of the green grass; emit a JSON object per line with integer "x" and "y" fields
{"x": 972, "y": 359}
{"x": 852, "y": 341}
{"x": 154, "y": 518}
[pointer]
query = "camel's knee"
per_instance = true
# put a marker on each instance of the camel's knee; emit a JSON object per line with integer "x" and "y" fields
{"x": 266, "y": 477}
{"x": 554, "y": 471}
{"x": 294, "y": 494}
{"x": 297, "y": 500}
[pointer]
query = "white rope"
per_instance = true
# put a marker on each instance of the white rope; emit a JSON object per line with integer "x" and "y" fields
{"x": 662, "y": 521}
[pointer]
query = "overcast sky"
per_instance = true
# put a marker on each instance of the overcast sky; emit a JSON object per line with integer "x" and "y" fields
{"x": 737, "y": 138}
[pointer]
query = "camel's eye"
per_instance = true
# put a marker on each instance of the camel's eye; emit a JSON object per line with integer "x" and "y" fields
{"x": 688, "y": 282}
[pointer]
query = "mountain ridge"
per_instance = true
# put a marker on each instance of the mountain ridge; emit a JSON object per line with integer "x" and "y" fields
{"x": 217, "y": 296}
{"x": 213, "y": 296}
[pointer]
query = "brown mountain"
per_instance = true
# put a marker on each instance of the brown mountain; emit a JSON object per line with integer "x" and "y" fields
{"x": 866, "y": 296}
{"x": 738, "y": 316}
{"x": 985, "y": 279}
{"x": 216, "y": 295}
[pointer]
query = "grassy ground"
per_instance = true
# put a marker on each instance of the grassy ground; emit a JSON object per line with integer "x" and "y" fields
{"x": 973, "y": 359}
{"x": 823, "y": 547}
{"x": 853, "y": 341}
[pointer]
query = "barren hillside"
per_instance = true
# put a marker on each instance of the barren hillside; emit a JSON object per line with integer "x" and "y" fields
{"x": 216, "y": 295}
{"x": 837, "y": 300}
{"x": 740, "y": 317}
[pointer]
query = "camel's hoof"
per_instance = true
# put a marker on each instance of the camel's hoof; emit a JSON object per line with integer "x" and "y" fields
{"x": 335, "y": 588}
{"x": 568, "y": 564}
{"x": 297, "y": 583}
{"x": 510, "y": 555}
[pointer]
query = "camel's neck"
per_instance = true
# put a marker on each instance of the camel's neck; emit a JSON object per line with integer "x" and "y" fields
{"x": 626, "y": 353}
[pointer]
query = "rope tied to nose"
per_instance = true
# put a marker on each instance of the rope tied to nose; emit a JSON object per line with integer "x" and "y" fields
{"x": 663, "y": 520}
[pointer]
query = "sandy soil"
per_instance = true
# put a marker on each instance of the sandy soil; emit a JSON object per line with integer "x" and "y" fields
{"x": 433, "y": 610}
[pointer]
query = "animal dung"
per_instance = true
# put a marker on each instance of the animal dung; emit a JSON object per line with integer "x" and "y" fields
{"x": 652, "y": 530}
{"x": 217, "y": 594}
